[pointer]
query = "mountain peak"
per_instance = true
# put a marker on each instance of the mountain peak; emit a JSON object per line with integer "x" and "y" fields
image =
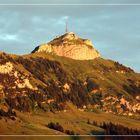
{"x": 70, "y": 45}
{"x": 70, "y": 36}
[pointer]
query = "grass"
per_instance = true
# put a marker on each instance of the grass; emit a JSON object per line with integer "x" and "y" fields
{"x": 73, "y": 119}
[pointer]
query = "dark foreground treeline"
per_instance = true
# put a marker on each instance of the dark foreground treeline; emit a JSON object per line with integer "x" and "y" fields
{"x": 109, "y": 129}
{"x": 115, "y": 129}
{"x": 58, "y": 127}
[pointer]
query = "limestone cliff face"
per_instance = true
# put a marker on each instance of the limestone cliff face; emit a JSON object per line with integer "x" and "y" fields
{"x": 70, "y": 45}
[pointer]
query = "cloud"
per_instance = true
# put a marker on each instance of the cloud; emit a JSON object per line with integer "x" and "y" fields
{"x": 8, "y": 37}
{"x": 61, "y": 21}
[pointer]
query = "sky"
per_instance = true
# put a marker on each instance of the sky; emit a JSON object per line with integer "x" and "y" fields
{"x": 113, "y": 26}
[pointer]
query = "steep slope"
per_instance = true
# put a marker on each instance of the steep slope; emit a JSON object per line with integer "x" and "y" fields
{"x": 70, "y": 45}
{"x": 47, "y": 81}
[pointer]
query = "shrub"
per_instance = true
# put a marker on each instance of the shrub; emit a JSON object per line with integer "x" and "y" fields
{"x": 55, "y": 126}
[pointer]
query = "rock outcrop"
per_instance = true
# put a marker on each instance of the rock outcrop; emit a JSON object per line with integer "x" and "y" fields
{"x": 70, "y": 45}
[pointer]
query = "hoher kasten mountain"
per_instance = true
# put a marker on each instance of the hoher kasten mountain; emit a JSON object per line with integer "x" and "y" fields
{"x": 67, "y": 81}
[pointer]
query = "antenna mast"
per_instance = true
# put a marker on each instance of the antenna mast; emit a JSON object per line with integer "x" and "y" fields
{"x": 66, "y": 30}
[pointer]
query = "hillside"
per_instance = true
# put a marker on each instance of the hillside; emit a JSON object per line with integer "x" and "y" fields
{"x": 48, "y": 81}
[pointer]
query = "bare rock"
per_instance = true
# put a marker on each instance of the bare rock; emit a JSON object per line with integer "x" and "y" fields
{"x": 70, "y": 45}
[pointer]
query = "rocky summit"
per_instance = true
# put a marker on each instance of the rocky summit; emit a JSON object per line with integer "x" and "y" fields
{"x": 70, "y": 45}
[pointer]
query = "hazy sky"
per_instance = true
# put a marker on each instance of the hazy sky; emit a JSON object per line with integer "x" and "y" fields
{"x": 113, "y": 29}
